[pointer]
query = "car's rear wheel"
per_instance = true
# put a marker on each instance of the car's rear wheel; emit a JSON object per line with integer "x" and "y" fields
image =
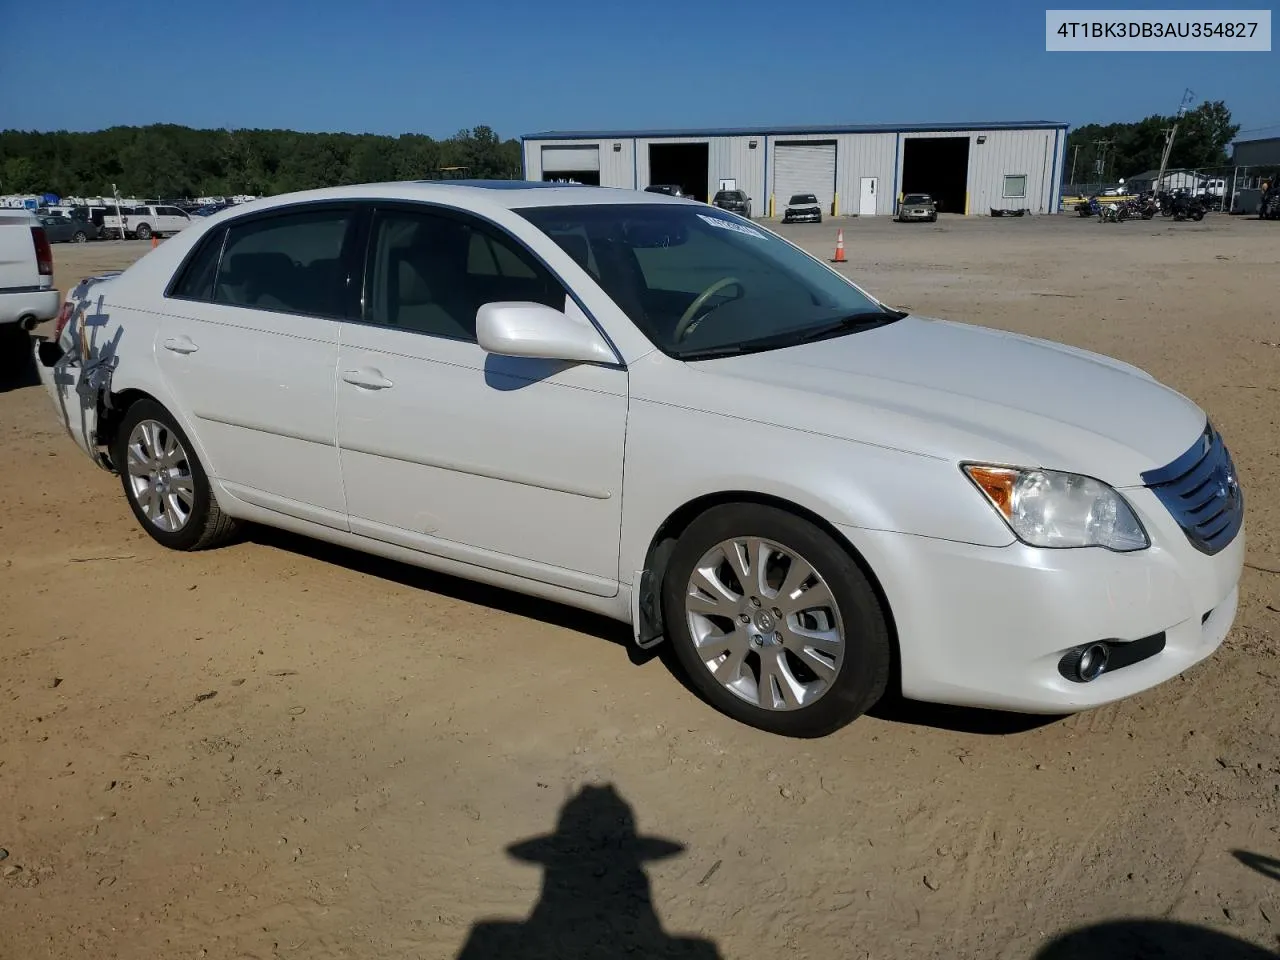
{"x": 80, "y": 236}
{"x": 164, "y": 482}
{"x": 775, "y": 624}
{"x": 143, "y": 232}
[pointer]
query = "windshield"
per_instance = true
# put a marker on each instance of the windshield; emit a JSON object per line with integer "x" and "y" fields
{"x": 917, "y": 198}
{"x": 730, "y": 195}
{"x": 700, "y": 284}
{"x": 802, "y": 198}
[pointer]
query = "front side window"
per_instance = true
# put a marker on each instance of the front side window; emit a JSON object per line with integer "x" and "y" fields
{"x": 1015, "y": 186}
{"x": 288, "y": 262}
{"x": 699, "y": 284}
{"x": 430, "y": 273}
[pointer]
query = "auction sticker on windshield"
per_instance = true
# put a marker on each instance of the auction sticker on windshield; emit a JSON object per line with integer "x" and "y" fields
{"x": 730, "y": 225}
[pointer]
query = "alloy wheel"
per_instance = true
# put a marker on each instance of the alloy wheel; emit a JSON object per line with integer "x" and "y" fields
{"x": 159, "y": 476}
{"x": 764, "y": 623}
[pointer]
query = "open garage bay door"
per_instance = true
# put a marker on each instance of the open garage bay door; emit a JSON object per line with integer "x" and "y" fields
{"x": 578, "y": 163}
{"x": 804, "y": 168}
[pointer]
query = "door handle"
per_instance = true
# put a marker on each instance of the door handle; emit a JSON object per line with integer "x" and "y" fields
{"x": 180, "y": 344}
{"x": 366, "y": 377}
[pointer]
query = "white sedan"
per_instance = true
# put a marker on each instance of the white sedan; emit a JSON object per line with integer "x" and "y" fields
{"x": 657, "y": 410}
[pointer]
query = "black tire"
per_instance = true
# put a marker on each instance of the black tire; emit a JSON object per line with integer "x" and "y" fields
{"x": 143, "y": 232}
{"x": 207, "y": 526}
{"x": 861, "y": 677}
{"x": 80, "y": 237}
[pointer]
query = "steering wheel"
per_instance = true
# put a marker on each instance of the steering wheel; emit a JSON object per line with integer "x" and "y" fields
{"x": 687, "y": 321}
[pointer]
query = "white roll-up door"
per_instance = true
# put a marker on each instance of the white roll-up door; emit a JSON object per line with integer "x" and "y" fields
{"x": 573, "y": 159}
{"x": 804, "y": 168}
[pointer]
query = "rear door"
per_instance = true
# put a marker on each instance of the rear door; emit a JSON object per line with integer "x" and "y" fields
{"x": 249, "y": 347}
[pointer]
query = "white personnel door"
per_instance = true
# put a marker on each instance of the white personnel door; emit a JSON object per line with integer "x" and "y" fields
{"x": 867, "y": 196}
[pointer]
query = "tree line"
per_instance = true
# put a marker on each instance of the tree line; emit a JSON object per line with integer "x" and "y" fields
{"x": 1110, "y": 151}
{"x": 168, "y": 160}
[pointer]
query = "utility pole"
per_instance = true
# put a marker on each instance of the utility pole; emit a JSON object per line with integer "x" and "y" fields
{"x": 1172, "y": 132}
{"x": 1100, "y": 162}
{"x": 1074, "y": 157}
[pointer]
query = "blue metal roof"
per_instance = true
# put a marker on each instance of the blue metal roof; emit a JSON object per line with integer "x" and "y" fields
{"x": 810, "y": 130}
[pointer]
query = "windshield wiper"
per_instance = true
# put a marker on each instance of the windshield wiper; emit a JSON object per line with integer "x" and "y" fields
{"x": 853, "y": 321}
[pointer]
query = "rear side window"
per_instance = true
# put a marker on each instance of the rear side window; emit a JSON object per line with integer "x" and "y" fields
{"x": 290, "y": 263}
{"x": 196, "y": 281}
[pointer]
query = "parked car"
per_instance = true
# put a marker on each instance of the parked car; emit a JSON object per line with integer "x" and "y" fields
{"x": 917, "y": 206}
{"x": 809, "y": 494}
{"x": 735, "y": 201}
{"x": 61, "y": 229}
{"x": 670, "y": 189}
{"x": 141, "y": 222}
{"x": 27, "y": 294}
{"x": 802, "y": 208}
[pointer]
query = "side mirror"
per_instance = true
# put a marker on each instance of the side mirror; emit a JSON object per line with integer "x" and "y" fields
{"x": 517, "y": 329}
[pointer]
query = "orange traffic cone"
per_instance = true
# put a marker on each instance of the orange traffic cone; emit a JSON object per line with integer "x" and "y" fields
{"x": 839, "y": 257}
{"x": 154, "y": 241}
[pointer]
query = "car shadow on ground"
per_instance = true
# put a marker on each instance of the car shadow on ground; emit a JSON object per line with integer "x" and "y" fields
{"x": 892, "y": 707}
{"x": 596, "y": 900}
{"x": 457, "y": 588}
{"x": 1143, "y": 939}
{"x": 17, "y": 362}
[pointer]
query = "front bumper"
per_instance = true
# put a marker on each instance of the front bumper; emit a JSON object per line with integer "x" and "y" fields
{"x": 802, "y": 216}
{"x": 915, "y": 214}
{"x": 987, "y": 626}
{"x": 41, "y": 304}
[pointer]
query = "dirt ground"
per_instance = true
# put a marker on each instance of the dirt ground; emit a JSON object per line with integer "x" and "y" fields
{"x": 280, "y": 749}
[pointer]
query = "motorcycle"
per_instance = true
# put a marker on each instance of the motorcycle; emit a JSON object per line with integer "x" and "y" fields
{"x": 1182, "y": 206}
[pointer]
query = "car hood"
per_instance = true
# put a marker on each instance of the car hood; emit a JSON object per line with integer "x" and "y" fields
{"x": 962, "y": 392}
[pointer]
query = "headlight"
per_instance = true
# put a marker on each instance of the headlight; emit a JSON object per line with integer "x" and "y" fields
{"x": 1045, "y": 508}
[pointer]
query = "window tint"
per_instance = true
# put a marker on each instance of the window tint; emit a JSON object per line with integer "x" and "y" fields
{"x": 196, "y": 282}
{"x": 655, "y": 261}
{"x": 430, "y": 273}
{"x": 290, "y": 263}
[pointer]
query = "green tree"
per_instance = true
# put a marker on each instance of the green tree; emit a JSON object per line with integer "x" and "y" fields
{"x": 167, "y": 160}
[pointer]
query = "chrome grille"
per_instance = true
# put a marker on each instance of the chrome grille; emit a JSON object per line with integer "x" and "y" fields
{"x": 1202, "y": 493}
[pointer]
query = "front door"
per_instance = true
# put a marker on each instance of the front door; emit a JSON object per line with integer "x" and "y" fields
{"x": 251, "y": 354}
{"x": 507, "y": 463}
{"x": 867, "y": 197}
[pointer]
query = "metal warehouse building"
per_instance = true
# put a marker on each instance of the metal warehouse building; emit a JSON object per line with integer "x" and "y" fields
{"x": 863, "y": 170}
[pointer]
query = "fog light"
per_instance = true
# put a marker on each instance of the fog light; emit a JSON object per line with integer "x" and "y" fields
{"x": 1085, "y": 663}
{"x": 1093, "y": 660}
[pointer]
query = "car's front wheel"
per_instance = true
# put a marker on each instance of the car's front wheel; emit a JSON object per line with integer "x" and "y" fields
{"x": 775, "y": 624}
{"x": 164, "y": 482}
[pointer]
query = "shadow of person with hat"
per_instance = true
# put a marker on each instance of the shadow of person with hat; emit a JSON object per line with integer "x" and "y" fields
{"x": 595, "y": 900}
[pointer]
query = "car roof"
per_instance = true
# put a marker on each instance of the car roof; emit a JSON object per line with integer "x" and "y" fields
{"x": 474, "y": 194}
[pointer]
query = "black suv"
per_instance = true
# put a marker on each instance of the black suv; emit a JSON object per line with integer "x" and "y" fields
{"x": 735, "y": 201}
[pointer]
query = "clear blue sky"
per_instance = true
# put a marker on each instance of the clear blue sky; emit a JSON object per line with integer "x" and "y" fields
{"x": 521, "y": 66}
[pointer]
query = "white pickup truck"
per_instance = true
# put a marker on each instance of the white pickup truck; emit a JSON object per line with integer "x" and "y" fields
{"x": 144, "y": 222}
{"x": 27, "y": 294}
